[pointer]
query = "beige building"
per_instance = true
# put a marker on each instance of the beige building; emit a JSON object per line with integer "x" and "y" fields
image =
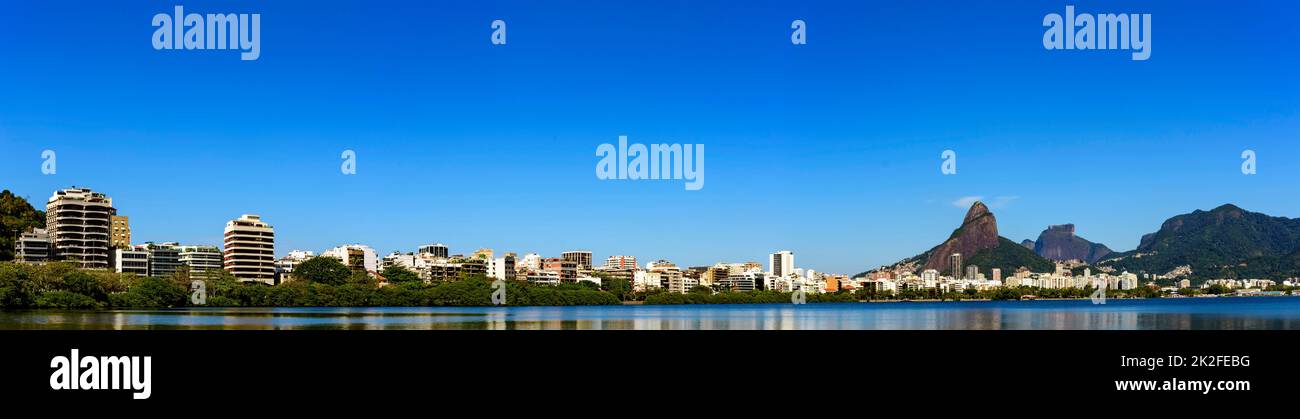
{"x": 78, "y": 221}
{"x": 121, "y": 232}
{"x": 581, "y": 258}
{"x": 250, "y": 249}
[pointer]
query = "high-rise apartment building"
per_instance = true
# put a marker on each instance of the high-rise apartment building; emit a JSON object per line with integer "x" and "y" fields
{"x": 620, "y": 262}
{"x": 250, "y": 249}
{"x": 437, "y": 250}
{"x": 164, "y": 259}
{"x": 954, "y": 261}
{"x": 581, "y": 257}
{"x": 121, "y": 232}
{"x": 78, "y": 222}
{"x": 781, "y": 263}
{"x": 201, "y": 260}
{"x": 972, "y": 272}
{"x": 132, "y": 261}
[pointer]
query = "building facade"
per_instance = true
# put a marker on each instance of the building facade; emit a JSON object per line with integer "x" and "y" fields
{"x": 581, "y": 257}
{"x": 250, "y": 249}
{"x": 620, "y": 262}
{"x": 121, "y": 232}
{"x": 164, "y": 259}
{"x": 437, "y": 250}
{"x": 133, "y": 261}
{"x": 356, "y": 256}
{"x": 781, "y": 263}
{"x": 33, "y": 247}
{"x": 78, "y": 222}
{"x": 201, "y": 261}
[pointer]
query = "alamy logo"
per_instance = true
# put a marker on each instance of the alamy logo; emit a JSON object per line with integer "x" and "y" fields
{"x": 102, "y": 373}
{"x": 1122, "y": 31}
{"x": 658, "y": 161}
{"x": 230, "y": 31}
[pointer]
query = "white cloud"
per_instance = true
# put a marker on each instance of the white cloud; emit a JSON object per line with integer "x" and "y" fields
{"x": 966, "y": 201}
{"x": 994, "y": 203}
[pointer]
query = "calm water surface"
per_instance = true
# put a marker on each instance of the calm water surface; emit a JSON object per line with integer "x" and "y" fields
{"x": 1168, "y": 313}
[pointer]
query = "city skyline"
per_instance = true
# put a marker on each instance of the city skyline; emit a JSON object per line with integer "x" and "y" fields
{"x": 831, "y": 150}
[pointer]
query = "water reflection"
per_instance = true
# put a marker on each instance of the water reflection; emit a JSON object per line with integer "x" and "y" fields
{"x": 1189, "y": 313}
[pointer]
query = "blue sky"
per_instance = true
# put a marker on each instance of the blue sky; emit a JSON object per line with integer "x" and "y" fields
{"x": 830, "y": 149}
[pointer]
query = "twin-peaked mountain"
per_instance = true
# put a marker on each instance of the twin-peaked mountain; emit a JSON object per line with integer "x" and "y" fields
{"x": 1226, "y": 242}
{"x": 978, "y": 242}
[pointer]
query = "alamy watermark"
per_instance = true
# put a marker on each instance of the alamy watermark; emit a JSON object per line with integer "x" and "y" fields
{"x": 49, "y": 162}
{"x": 655, "y": 162}
{"x": 498, "y": 292}
{"x": 1110, "y": 31}
{"x": 230, "y": 31}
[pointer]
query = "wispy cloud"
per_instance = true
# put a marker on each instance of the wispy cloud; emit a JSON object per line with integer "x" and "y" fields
{"x": 966, "y": 201}
{"x": 993, "y": 203}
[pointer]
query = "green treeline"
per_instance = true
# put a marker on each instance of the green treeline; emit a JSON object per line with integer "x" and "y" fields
{"x": 62, "y": 285}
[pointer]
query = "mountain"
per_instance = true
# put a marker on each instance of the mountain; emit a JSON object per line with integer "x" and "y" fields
{"x": 16, "y": 216}
{"x": 1009, "y": 256}
{"x": 978, "y": 231}
{"x": 1058, "y": 242}
{"x": 978, "y": 241}
{"x": 1028, "y": 244}
{"x": 1226, "y": 242}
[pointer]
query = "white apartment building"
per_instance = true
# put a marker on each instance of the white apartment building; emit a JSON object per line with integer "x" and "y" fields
{"x": 78, "y": 221}
{"x": 250, "y": 249}
{"x": 531, "y": 262}
{"x": 781, "y": 263}
{"x": 134, "y": 261}
{"x": 200, "y": 260}
{"x": 646, "y": 280}
{"x": 544, "y": 277}
{"x": 33, "y": 247}
{"x": 620, "y": 262}
{"x": 503, "y": 267}
{"x": 284, "y": 266}
{"x": 356, "y": 256}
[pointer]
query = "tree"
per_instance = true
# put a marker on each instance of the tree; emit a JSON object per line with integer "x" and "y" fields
{"x": 399, "y": 274}
{"x": 324, "y": 270}
{"x": 16, "y": 216}
{"x": 1217, "y": 289}
{"x": 82, "y": 283}
{"x": 701, "y": 289}
{"x": 152, "y": 292}
{"x": 620, "y": 287}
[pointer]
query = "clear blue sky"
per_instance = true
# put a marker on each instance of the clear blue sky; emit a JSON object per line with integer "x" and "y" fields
{"x": 829, "y": 149}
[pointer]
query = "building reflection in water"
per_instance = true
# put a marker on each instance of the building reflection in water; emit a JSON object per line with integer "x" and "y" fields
{"x": 1159, "y": 314}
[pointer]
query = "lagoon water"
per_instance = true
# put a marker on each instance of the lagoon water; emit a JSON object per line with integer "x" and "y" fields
{"x": 1167, "y": 313}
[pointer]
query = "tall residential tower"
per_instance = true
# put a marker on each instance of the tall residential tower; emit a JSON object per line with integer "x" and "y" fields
{"x": 250, "y": 249}
{"x": 78, "y": 222}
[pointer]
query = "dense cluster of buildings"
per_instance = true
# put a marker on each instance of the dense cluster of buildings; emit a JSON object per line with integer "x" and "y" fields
{"x": 83, "y": 227}
{"x": 969, "y": 277}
